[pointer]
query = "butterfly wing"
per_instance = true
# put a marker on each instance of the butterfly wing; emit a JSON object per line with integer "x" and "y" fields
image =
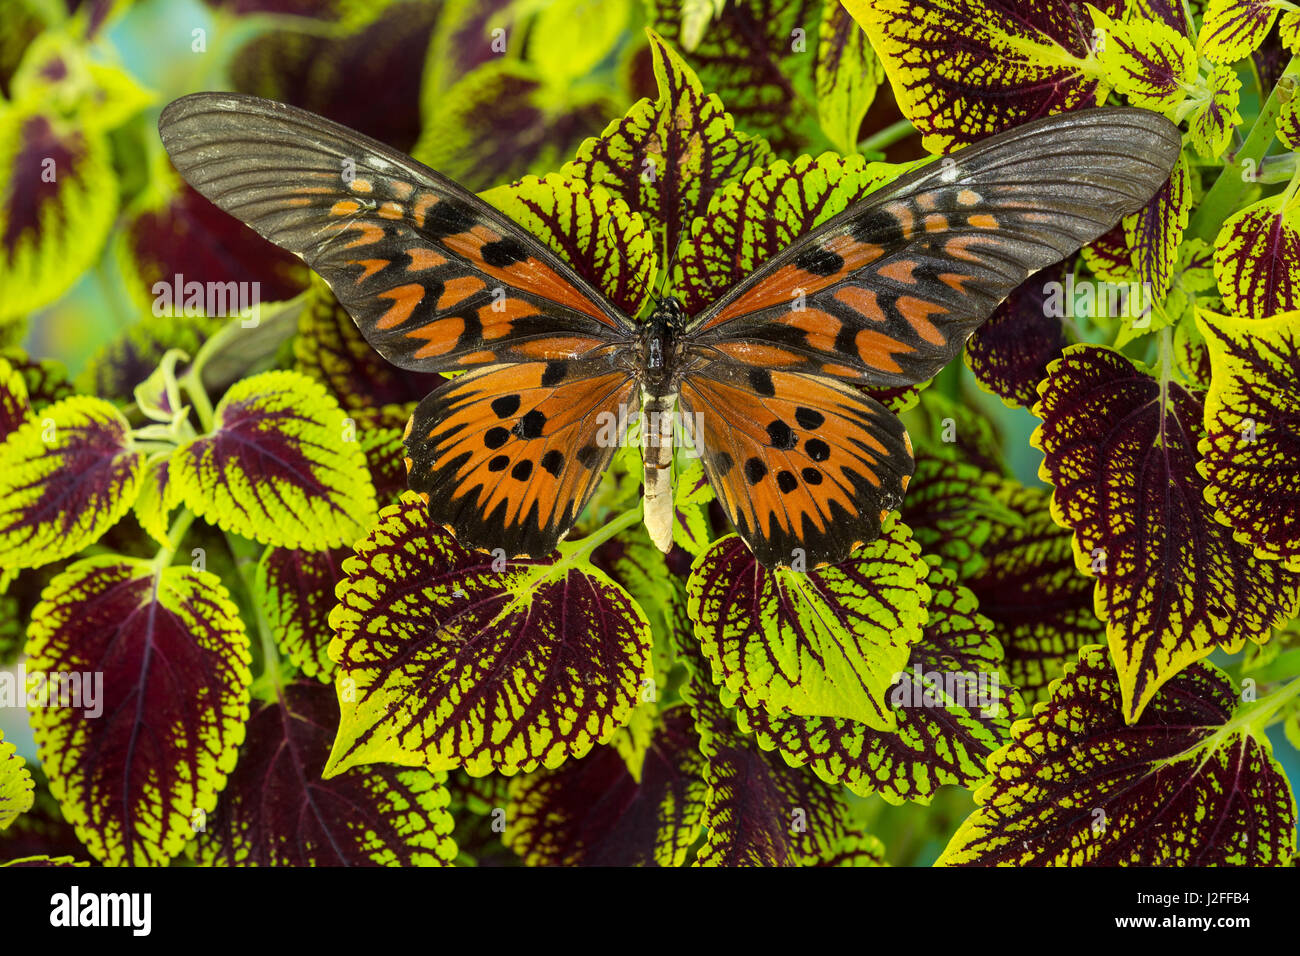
{"x": 435, "y": 278}
{"x": 507, "y": 456}
{"x": 799, "y": 462}
{"x": 886, "y": 293}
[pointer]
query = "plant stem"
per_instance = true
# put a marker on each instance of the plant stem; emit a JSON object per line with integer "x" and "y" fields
{"x": 175, "y": 534}
{"x": 272, "y": 672}
{"x": 1224, "y": 197}
{"x": 882, "y": 139}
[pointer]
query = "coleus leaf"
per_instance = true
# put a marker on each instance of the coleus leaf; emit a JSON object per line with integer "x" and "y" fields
{"x": 1288, "y": 124}
{"x": 41, "y": 830}
{"x": 56, "y": 206}
{"x": 822, "y": 644}
{"x": 665, "y": 158}
{"x": 295, "y": 589}
{"x": 504, "y": 120}
{"x": 157, "y": 499}
{"x": 1010, "y": 352}
{"x": 449, "y": 657}
{"x": 45, "y": 381}
{"x": 1233, "y": 29}
{"x": 65, "y": 479}
{"x": 592, "y": 812}
{"x": 950, "y": 507}
{"x": 1109, "y": 257}
{"x": 1040, "y": 605}
{"x": 1120, "y": 447}
{"x": 115, "y": 370}
{"x": 590, "y": 227}
{"x": 464, "y": 38}
{"x": 846, "y": 75}
{"x": 1155, "y": 232}
{"x": 855, "y": 850}
{"x": 175, "y": 236}
{"x": 281, "y": 466}
{"x": 17, "y": 790}
{"x": 759, "y": 58}
{"x": 42, "y": 861}
{"x": 330, "y": 348}
{"x": 1189, "y": 784}
{"x": 570, "y": 38}
{"x": 136, "y": 769}
{"x": 366, "y": 76}
{"x": 1149, "y": 62}
{"x": 1257, "y": 259}
{"x": 758, "y": 810}
{"x": 1251, "y": 447}
{"x": 752, "y": 219}
{"x": 15, "y": 408}
{"x": 1215, "y": 116}
{"x": 962, "y": 70}
{"x": 952, "y": 710}
{"x": 277, "y": 811}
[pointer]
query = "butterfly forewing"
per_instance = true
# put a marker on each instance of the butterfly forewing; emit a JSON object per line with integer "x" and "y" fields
{"x": 508, "y": 456}
{"x": 886, "y": 293}
{"x": 435, "y": 278}
{"x": 804, "y": 466}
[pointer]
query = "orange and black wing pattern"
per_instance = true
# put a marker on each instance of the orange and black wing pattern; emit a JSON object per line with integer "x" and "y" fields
{"x": 508, "y": 456}
{"x": 886, "y": 293}
{"x": 435, "y": 278}
{"x": 803, "y": 465}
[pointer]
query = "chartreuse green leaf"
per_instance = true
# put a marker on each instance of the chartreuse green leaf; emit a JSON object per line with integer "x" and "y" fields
{"x": 826, "y": 643}
{"x": 1215, "y": 115}
{"x": 281, "y": 465}
{"x": 1154, "y": 234}
{"x": 1257, "y": 258}
{"x": 1234, "y": 29}
{"x": 1149, "y": 62}
{"x": 1109, "y": 257}
{"x": 964, "y": 69}
{"x": 847, "y": 74}
{"x": 157, "y": 499}
{"x": 592, "y": 228}
{"x": 569, "y": 38}
{"x": 667, "y": 156}
{"x": 46, "y": 381}
{"x": 951, "y": 705}
{"x": 278, "y": 811}
{"x": 451, "y": 658}
{"x": 15, "y": 408}
{"x": 759, "y": 57}
{"x": 17, "y": 790}
{"x": 57, "y": 203}
{"x": 151, "y": 670}
{"x": 752, "y": 219}
{"x": 65, "y": 478}
{"x": 295, "y": 589}
{"x": 758, "y": 810}
{"x": 951, "y": 507}
{"x": 1121, "y": 449}
{"x": 1288, "y": 124}
{"x": 593, "y": 812}
{"x": 1193, "y": 783}
{"x": 1251, "y": 447}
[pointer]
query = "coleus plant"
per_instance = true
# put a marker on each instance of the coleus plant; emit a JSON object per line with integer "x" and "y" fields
{"x": 299, "y": 669}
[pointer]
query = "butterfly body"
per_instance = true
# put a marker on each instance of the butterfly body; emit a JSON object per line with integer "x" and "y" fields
{"x": 660, "y": 369}
{"x": 767, "y": 383}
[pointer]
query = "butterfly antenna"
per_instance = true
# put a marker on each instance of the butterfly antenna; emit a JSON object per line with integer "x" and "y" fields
{"x": 672, "y": 260}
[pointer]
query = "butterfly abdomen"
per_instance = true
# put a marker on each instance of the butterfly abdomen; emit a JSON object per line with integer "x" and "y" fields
{"x": 657, "y": 450}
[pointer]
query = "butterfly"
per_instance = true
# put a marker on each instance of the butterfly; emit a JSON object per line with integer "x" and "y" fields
{"x": 769, "y": 380}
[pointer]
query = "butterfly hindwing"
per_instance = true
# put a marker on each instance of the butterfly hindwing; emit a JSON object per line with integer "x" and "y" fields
{"x": 507, "y": 456}
{"x": 886, "y": 293}
{"x": 801, "y": 464}
{"x": 435, "y": 278}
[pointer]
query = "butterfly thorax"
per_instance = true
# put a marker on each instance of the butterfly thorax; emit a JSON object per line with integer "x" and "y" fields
{"x": 660, "y": 368}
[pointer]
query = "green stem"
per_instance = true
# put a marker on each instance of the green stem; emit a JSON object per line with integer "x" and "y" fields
{"x": 175, "y": 534}
{"x": 1286, "y": 664}
{"x": 1225, "y": 196}
{"x": 574, "y": 551}
{"x": 245, "y": 554}
{"x": 881, "y": 140}
{"x": 192, "y": 383}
